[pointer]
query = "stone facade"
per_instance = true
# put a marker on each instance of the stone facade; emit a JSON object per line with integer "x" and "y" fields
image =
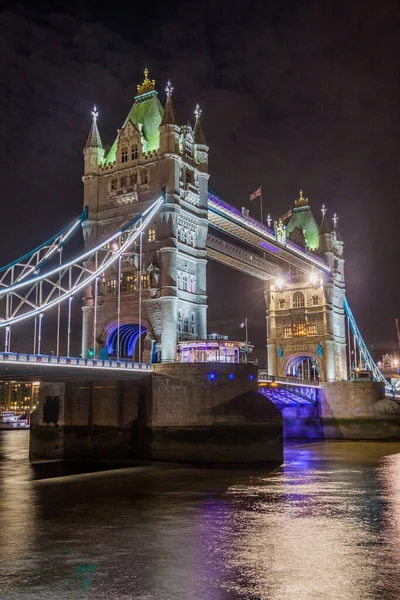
{"x": 151, "y": 156}
{"x": 305, "y": 309}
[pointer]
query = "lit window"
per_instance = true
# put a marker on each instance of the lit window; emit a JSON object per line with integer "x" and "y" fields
{"x": 287, "y": 331}
{"x": 312, "y": 329}
{"x": 298, "y": 300}
{"x": 111, "y": 286}
{"x": 134, "y": 152}
{"x": 145, "y": 176}
{"x": 299, "y": 329}
{"x": 145, "y": 282}
{"x": 124, "y": 155}
{"x": 151, "y": 235}
{"x": 113, "y": 184}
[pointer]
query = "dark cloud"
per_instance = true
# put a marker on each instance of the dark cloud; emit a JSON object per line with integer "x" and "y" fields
{"x": 295, "y": 95}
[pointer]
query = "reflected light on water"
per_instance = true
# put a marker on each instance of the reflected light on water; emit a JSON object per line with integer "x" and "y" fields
{"x": 17, "y": 499}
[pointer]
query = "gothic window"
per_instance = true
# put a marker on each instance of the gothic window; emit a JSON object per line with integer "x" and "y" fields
{"x": 186, "y": 324}
{"x": 179, "y": 281}
{"x": 192, "y": 285}
{"x": 185, "y": 282}
{"x": 193, "y": 317}
{"x": 315, "y": 300}
{"x": 312, "y": 329}
{"x": 189, "y": 177}
{"x": 193, "y": 239}
{"x": 145, "y": 176}
{"x": 128, "y": 282}
{"x": 298, "y": 300}
{"x": 111, "y": 286}
{"x": 299, "y": 329}
{"x": 124, "y": 155}
{"x": 133, "y": 179}
{"x": 192, "y": 329}
{"x": 287, "y": 331}
{"x": 135, "y": 153}
{"x": 145, "y": 282}
{"x": 188, "y": 148}
{"x": 151, "y": 235}
{"x": 124, "y": 181}
{"x": 180, "y": 314}
{"x": 114, "y": 183}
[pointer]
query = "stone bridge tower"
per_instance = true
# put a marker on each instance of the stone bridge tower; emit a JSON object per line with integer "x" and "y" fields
{"x": 305, "y": 309}
{"x": 152, "y": 154}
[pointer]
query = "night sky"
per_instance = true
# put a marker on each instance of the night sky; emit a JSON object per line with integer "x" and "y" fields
{"x": 295, "y": 95}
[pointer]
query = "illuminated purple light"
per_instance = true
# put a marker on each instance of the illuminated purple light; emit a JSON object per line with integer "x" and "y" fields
{"x": 269, "y": 247}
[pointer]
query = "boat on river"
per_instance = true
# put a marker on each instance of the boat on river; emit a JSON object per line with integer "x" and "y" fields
{"x": 10, "y": 420}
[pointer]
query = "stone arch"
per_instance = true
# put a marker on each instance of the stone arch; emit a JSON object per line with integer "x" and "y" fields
{"x": 299, "y": 363}
{"x": 130, "y": 331}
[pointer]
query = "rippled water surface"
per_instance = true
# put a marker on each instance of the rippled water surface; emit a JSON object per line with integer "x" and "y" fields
{"x": 325, "y": 525}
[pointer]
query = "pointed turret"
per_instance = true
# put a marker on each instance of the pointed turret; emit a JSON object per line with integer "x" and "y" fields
{"x": 324, "y": 227}
{"x": 94, "y": 155}
{"x": 199, "y": 137}
{"x": 94, "y": 140}
{"x": 93, "y": 150}
{"x": 168, "y": 116}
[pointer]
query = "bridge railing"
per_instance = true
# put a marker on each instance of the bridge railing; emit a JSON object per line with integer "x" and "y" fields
{"x": 263, "y": 376}
{"x": 71, "y": 361}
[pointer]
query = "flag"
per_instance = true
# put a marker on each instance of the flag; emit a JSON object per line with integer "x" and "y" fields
{"x": 256, "y": 194}
{"x": 242, "y": 324}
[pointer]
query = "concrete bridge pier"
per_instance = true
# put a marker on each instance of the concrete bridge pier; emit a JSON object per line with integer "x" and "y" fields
{"x": 195, "y": 413}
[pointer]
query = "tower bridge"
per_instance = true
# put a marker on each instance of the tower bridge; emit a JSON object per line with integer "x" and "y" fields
{"x": 150, "y": 224}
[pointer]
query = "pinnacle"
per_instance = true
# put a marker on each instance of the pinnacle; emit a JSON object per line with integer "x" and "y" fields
{"x": 168, "y": 116}
{"x": 199, "y": 137}
{"x": 94, "y": 140}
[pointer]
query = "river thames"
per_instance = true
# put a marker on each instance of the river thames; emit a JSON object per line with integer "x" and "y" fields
{"x": 325, "y": 525}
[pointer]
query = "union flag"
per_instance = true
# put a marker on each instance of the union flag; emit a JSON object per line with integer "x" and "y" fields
{"x": 256, "y": 194}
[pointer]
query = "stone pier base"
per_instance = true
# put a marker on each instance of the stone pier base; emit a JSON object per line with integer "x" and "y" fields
{"x": 358, "y": 410}
{"x": 181, "y": 412}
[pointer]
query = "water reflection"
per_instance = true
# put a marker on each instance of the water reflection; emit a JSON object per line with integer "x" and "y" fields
{"x": 324, "y": 525}
{"x": 17, "y": 500}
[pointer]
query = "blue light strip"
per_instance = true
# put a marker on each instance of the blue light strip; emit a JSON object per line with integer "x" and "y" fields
{"x": 72, "y": 226}
{"x": 369, "y": 361}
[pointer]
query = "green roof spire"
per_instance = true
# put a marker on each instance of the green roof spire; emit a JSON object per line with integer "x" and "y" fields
{"x": 302, "y": 226}
{"x": 147, "y": 112}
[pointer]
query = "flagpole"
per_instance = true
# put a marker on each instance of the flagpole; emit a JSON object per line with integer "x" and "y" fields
{"x": 261, "y": 211}
{"x": 247, "y": 342}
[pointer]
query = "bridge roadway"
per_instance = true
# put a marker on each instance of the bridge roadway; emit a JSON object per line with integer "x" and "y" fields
{"x": 230, "y": 221}
{"x": 30, "y": 367}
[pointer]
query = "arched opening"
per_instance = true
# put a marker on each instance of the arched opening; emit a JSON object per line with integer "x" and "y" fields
{"x": 128, "y": 341}
{"x": 304, "y": 368}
